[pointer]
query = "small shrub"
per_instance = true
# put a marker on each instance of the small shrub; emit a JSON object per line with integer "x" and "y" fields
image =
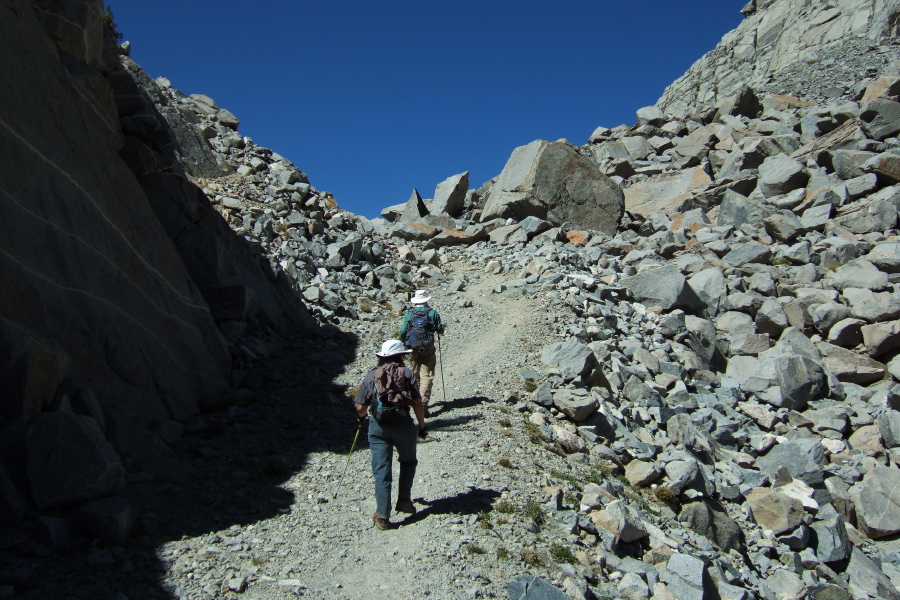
{"x": 505, "y": 507}
{"x": 561, "y": 554}
{"x": 533, "y": 511}
{"x": 110, "y": 28}
{"x": 533, "y": 433}
{"x": 484, "y": 520}
{"x": 530, "y": 557}
{"x": 664, "y": 494}
{"x": 570, "y": 498}
{"x": 603, "y": 469}
{"x": 503, "y": 554}
{"x": 505, "y": 422}
{"x": 505, "y": 463}
{"x": 530, "y": 386}
{"x": 570, "y": 479}
{"x": 474, "y": 549}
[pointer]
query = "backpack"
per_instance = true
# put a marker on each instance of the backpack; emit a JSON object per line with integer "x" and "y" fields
{"x": 421, "y": 331}
{"x": 393, "y": 394}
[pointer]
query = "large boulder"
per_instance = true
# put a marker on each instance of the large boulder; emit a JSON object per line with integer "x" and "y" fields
{"x": 450, "y": 195}
{"x": 551, "y": 181}
{"x": 665, "y": 287}
{"x": 571, "y": 357}
{"x": 878, "y": 503}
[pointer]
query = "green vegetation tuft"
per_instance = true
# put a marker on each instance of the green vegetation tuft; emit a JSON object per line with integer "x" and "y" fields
{"x": 533, "y": 433}
{"x": 533, "y": 511}
{"x": 503, "y": 554}
{"x": 561, "y": 554}
{"x": 530, "y": 557}
{"x": 530, "y": 386}
{"x": 505, "y": 463}
{"x": 484, "y": 520}
{"x": 664, "y": 494}
{"x": 570, "y": 479}
{"x": 110, "y": 28}
{"x": 505, "y": 507}
{"x": 474, "y": 549}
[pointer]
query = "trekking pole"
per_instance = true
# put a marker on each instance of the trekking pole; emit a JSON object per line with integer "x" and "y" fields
{"x": 441, "y": 360}
{"x": 356, "y": 437}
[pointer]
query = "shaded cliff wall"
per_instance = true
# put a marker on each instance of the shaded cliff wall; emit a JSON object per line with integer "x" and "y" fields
{"x": 110, "y": 258}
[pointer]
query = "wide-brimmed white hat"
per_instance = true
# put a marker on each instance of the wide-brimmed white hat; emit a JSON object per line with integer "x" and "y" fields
{"x": 392, "y": 348}
{"x": 420, "y": 298}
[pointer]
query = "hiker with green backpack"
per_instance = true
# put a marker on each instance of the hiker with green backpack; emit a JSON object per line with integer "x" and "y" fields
{"x": 420, "y": 325}
{"x": 387, "y": 393}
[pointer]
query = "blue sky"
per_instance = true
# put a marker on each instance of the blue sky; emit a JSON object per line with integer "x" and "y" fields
{"x": 371, "y": 99}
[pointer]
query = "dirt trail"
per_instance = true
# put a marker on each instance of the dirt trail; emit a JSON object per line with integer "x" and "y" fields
{"x": 411, "y": 561}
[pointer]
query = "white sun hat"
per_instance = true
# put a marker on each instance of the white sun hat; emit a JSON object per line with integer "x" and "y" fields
{"x": 420, "y": 298}
{"x": 392, "y": 348}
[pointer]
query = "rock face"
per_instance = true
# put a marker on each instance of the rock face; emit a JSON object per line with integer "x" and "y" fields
{"x": 551, "y": 181}
{"x": 776, "y": 42}
{"x": 130, "y": 288}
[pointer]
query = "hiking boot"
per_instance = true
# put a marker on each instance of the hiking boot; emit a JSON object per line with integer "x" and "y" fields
{"x": 382, "y": 524}
{"x": 405, "y": 505}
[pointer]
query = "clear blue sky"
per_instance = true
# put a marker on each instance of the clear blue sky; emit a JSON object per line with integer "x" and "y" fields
{"x": 371, "y": 99}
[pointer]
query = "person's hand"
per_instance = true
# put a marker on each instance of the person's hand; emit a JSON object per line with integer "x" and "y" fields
{"x": 423, "y": 432}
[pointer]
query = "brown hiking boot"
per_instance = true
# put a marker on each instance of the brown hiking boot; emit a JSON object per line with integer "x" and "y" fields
{"x": 382, "y": 524}
{"x": 405, "y": 505}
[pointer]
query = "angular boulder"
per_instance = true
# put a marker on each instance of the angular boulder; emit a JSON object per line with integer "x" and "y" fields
{"x": 877, "y": 502}
{"x": 450, "y": 195}
{"x": 551, "y": 181}
{"x": 665, "y": 287}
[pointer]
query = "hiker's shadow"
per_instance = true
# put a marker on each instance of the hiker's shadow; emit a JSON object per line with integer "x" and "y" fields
{"x": 474, "y": 501}
{"x": 451, "y": 424}
{"x": 439, "y": 409}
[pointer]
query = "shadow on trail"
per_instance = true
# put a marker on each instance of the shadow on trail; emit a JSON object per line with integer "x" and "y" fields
{"x": 441, "y": 408}
{"x": 451, "y": 424}
{"x": 472, "y": 502}
{"x": 230, "y": 475}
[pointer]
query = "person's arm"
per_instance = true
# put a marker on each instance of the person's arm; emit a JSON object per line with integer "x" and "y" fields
{"x": 418, "y": 407}
{"x": 436, "y": 321}
{"x": 361, "y": 402}
{"x": 404, "y": 326}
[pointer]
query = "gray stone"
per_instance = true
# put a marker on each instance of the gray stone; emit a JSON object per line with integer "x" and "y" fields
{"x": 881, "y": 119}
{"x": 751, "y": 252}
{"x": 786, "y": 585}
{"x": 774, "y": 510}
{"x": 414, "y": 209}
{"x": 709, "y": 285}
{"x": 832, "y": 543}
{"x": 874, "y": 216}
{"x": 803, "y": 458}
{"x": 781, "y": 174}
{"x": 771, "y": 318}
{"x": 526, "y": 587}
{"x": 575, "y": 404}
{"x": 858, "y": 274}
{"x": 889, "y": 425}
{"x": 665, "y": 287}
{"x": 824, "y": 316}
{"x": 846, "y": 333}
{"x": 709, "y": 519}
{"x": 551, "y": 181}
{"x": 622, "y": 521}
{"x": 881, "y": 337}
{"x": 70, "y": 461}
{"x": 875, "y": 306}
{"x": 450, "y": 195}
{"x": 867, "y": 580}
{"x": 885, "y": 256}
{"x": 685, "y": 577}
{"x": 571, "y": 357}
{"x": 877, "y": 502}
